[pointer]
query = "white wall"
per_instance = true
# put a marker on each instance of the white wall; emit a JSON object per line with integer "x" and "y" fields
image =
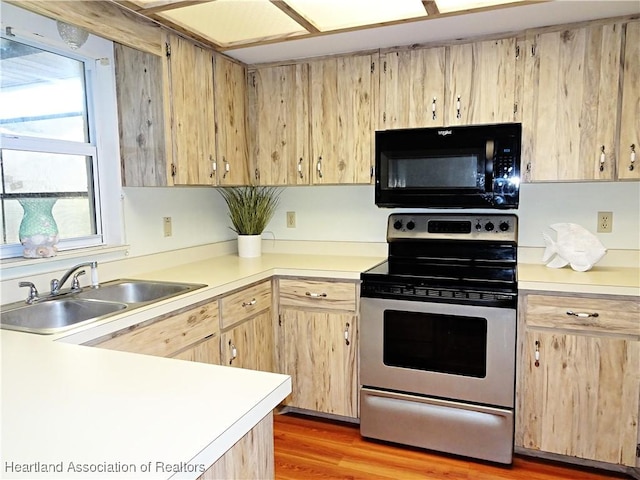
{"x": 348, "y": 213}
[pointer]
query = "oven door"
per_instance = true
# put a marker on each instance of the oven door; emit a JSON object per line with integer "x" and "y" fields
{"x": 449, "y": 351}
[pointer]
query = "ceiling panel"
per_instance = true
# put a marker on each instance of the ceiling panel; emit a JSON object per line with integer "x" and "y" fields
{"x": 339, "y": 14}
{"x": 229, "y": 22}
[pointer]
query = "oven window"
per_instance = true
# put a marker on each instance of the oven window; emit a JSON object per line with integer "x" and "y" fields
{"x": 434, "y": 342}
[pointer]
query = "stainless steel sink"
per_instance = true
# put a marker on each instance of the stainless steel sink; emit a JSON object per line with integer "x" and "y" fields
{"x": 71, "y": 310}
{"x": 137, "y": 291}
{"x": 54, "y": 316}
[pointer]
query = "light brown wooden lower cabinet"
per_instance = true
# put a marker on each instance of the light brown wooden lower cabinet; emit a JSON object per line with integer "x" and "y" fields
{"x": 581, "y": 398}
{"x": 320, "y": 354}
{"x": 206, "y": 351}
{"x": 252, "y": 457}
{"x": 250, "y": 344}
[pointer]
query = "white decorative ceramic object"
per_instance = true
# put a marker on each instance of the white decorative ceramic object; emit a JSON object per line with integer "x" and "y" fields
{"x": 249, "y": 246}
{"x": 575, "y": 246}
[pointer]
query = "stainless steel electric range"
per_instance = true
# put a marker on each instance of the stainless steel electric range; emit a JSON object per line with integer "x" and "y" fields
{"x": 438, "y": 335}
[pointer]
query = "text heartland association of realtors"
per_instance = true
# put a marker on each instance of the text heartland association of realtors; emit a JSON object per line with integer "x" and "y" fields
{"x": 103, "y": 467}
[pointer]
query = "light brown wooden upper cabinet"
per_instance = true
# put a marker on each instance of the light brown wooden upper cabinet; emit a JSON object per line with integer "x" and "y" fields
{"x": 279, "y": 124}
{"x": 570, "y": 103}
{"x": 192, "y": 113}
{"x": 462, "y": 84}
{"x": 412, "y": 88}
{"x": 141, "y": 117}
{"x": 231, "y": 121}
{"x": 481, "y": 82}
{"x": 628, "y": 157}
{"x": 342, "y": 110}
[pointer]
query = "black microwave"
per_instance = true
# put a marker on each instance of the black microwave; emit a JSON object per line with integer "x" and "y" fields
{"x": 474, "y": 166}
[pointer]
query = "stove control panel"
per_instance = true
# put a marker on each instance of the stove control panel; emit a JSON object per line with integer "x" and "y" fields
{"x": 458, "y": 226}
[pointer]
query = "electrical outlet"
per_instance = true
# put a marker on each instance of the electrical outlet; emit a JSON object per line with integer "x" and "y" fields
{"x": 605, "y": 222}
{"x": 291, "y": 219}
{"x": 166, "y": 222}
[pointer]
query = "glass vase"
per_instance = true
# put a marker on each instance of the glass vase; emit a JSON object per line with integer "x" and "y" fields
{"x": 38, "y": 229}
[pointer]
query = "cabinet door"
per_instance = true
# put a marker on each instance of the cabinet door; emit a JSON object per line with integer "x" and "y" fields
{"x": 412, "y": 88}
{"x": 342, "y": 119}
{"x": 193, "y": 124}
{"x": 481, "y": 82}
{"x": 320, "y": 355}
{"x": 231, "y": 122}
{"x": 206, "y": 351}
{"x": 279, "y": 121}
{"x": 250, "y": 344}
{"x": 139, "y": 89}
{"x": 629, "y": 156}
{"x": 570, "y": 104}
{"x": 582, "y": 399}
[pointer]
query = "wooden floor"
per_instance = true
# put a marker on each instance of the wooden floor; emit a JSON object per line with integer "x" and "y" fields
{"x": 309, "y": 448}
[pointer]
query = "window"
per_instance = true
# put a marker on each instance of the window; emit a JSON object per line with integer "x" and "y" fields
{"x": 53, "y": 102}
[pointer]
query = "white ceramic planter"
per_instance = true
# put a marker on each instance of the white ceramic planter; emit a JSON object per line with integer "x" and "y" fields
{"x": 249, "y": 246}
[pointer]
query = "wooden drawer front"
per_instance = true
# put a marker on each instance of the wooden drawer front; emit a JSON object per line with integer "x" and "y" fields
{"x": 168, "y": 336}
{"x": 613, "y": 316}
{"x": 241, "y": 305}
{"x": 318, "y": 294}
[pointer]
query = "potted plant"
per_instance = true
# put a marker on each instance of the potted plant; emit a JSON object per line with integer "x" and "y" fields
{"x": 250, "y": 210}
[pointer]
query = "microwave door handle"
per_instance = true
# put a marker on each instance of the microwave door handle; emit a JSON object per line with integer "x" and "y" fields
{"x": 490, "y": 153}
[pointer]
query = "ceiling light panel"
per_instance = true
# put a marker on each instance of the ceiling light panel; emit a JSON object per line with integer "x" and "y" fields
{"x": 233, "y": 22}
{"x": 446, "y": 6}
{"x": 330, "y": 15}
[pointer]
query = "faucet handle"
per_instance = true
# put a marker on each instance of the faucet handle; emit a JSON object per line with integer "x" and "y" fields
{"x": 75, "y": 283}
{"x": 33, "y": 292}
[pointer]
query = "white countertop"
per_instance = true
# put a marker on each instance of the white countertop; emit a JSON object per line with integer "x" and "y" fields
{"x": 68, "y": 405}
{"x": 65, "y": 403}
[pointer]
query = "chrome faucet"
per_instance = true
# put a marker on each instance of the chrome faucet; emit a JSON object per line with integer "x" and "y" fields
{"x": 56, "y": 284}
{"x": 33, "y": 292}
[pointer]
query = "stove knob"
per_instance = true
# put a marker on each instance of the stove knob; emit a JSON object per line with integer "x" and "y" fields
{"x": 478, "y": 226}
{"x": 411, "y": 225}
{"x": 489, "y": 226}
{"x": 397, "y": 224}
{"x": 504, "y": 226}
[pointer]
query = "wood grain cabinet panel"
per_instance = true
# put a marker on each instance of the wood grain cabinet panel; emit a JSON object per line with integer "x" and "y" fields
{"x": 320, "y": 354}
{"x": 342, "y": 110}
{"x": 279, "y": 124}
{"x": 141, "y": 120}
{"x": 319, "y": 294}
{"x": 206, "y": 351}
{"x": 192, "y": 110}
{"x": 251, "y": 457}
{"x": 250, "y": 344}
{"x": 579, "y": 386}
{"x": 231, "y": 121}
{"x": 239, "y": 306}
{"x": 317, "y": 339}
{"x": 629, "y": 154}
{"x": 570, "y": 103}
{"x": 167, "y": 335}
{"x": 412, "y": 86}
{"x": 246, "y": 322}
{"x": 481, "y": 82}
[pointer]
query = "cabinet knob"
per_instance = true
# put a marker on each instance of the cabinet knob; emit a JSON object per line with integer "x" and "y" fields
{"x": 537, "y": 354}
{"x": 603, "y": 158}
{"x": 346, "y": 334}
{"x": 319, "y": 167}
{"x": 632, "y": 157}
{"x": 300, "y": 168}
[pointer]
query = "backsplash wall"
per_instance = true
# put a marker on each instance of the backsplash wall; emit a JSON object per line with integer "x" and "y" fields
{"x": 348, "y": 213}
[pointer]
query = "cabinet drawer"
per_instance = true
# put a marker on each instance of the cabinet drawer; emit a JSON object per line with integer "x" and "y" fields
{"x": 165, "y": 337}
{"x": 621, "y": 316}
{"x": 318, "y": 294}
{"x": 241, "y": 305}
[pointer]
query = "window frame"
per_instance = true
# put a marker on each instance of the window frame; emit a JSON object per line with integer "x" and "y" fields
{"x": 103, "y": 143}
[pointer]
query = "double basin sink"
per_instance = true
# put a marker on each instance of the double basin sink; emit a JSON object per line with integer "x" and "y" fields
{"x": 71, "y": 310}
